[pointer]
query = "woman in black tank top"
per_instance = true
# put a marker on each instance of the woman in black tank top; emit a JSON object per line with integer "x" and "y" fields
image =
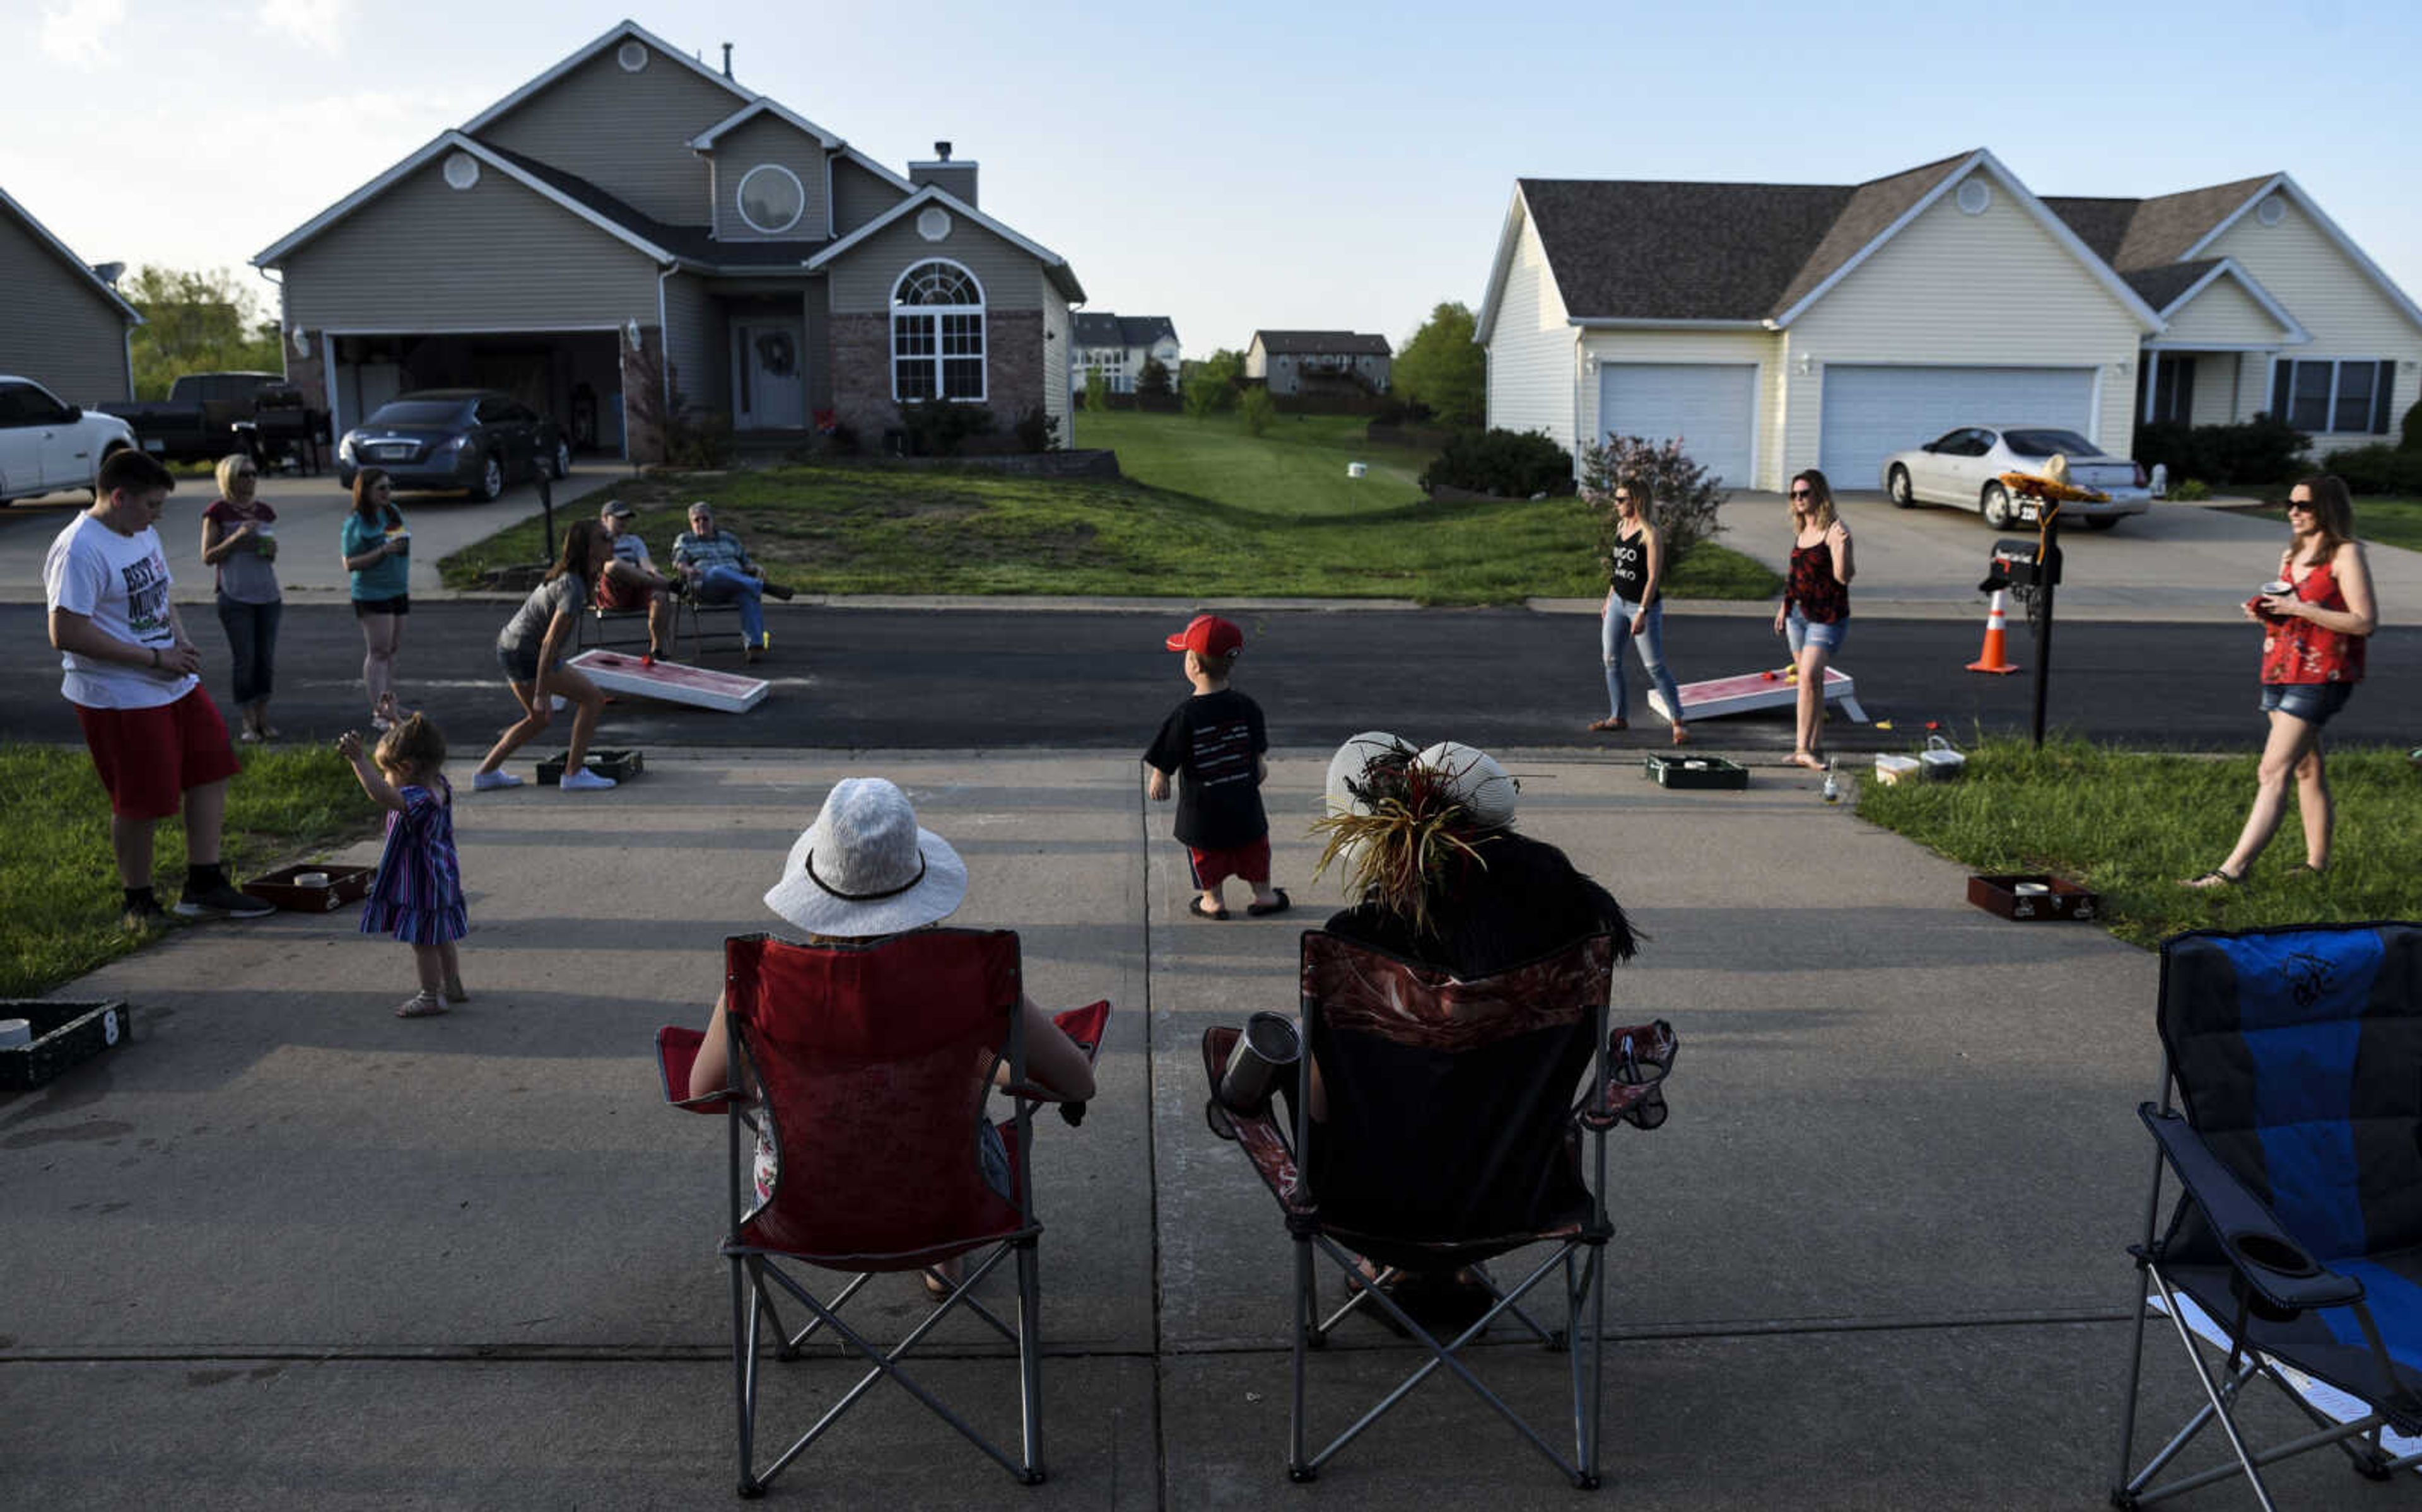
{"x": 1635, "y": 609}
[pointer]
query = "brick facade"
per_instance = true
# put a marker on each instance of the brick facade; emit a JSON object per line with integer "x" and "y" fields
{"x": 861, "y": 372}
{"x": 310, "y": 375}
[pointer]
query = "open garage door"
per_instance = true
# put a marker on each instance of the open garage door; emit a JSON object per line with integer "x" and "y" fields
{"x": 573, "y": 378}
{"x": 1872, "y": 411}
{"x": 1711, "y": 406}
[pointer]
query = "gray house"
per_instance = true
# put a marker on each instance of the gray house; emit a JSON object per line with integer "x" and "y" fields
{"x": 631, "y": 200}
{"x": 1291, "y": 362}
{"x": 61, "y": 323}
{"x": 1118, "y": 346}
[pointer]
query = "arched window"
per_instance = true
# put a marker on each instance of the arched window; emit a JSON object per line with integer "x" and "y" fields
{"x": 938, "y": 334}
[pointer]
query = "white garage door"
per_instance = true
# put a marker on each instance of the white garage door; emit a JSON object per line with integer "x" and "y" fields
{"x": 1870, "y": 412}
{"x": 1711, "y": 406}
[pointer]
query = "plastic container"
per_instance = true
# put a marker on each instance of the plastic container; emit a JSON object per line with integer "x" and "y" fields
{"x": 1891, "y": 770}
{"x": 1939, "y": 761}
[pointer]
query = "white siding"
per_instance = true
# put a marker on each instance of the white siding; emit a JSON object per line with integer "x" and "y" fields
{"x": 2223, "y": 315}
{"x": 1056, "y": 328}
{"x": 1532, "y": 363}
{"x": 1761, "y": 347}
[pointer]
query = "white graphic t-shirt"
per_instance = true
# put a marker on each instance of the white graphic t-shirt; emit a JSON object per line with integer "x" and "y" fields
{"x": 119, "y": 582}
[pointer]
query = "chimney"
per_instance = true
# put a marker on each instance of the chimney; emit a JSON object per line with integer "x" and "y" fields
{"x": 727, "y": 60}
{"x": 956, "y": 179}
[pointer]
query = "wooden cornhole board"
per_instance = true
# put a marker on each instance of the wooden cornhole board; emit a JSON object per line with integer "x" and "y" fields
{"x": 674, "y": 682}
{"x": 1755, "y": 690}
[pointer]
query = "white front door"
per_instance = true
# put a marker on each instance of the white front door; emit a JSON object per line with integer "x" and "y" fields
{"x": 1711, "y": 408}
{"x": 769, "y": 376}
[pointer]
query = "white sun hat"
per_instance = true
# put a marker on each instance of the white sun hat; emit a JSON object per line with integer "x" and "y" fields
{"x": 864, "y": 867}
{"x": 1479, "y": 783}
{"x": 1352, "y": 760}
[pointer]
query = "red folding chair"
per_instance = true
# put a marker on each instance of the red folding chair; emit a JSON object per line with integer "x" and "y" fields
{"x": 869, "y": 1066}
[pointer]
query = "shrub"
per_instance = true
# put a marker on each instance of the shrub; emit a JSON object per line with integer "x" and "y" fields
{"x": 2411, "y": 438}
{"x": 1512, "y": 464}
{"x": 936, "y": 428}
{"x": 2380, "y": 468}
{"x": 1037, "y": 431}
{"x": 700, "y": 441}
{"x": 1687, "y": 497}
{"x": 1257, "y": 409}
{"x": 1210, "y": 386}
{"x": 1098, "y": 392}
{"x": 2191, "y": 491}
{"x": 2262, "y": 450}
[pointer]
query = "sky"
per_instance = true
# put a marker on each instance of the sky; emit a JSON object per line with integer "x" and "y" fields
{"x": 1329, "y": 164}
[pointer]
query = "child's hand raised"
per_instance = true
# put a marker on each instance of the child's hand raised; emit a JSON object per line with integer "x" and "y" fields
{"x": 349, "y": 745}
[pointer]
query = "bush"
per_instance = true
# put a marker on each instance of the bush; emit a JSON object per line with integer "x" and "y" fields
{"x": 1098, "y": 392}
{"x": 1257, "y": 409}
{"x": 1513, "y": 464}
{"x": 700, "y": 441}
{"x": 936, "y": 428}
{"x": 2411, "y": 438}
{"x": 1687, "y": 498}
{"x": 1037, "y": 431}
{"x": 1153, "y": 378}
{"x": 2262, "y": 450}
{"x": 1210, "y": 386}
{"x": 2191, "y": 491}
{"x": 2380, "y": 468}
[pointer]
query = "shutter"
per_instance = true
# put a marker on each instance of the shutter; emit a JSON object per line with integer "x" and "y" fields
{"x": 2283, "y": 379}
{"x": 2384, "y": 390}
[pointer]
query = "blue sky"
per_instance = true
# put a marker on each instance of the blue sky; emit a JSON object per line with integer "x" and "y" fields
{"x": 1325, "y": 163}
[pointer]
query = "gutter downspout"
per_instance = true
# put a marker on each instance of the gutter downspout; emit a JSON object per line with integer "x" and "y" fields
{"x": 664, "y": 357}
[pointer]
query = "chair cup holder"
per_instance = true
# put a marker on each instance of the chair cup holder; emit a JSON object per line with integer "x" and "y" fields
{"x": 2269, "y": 1252}
{"x": 1264, "y": 1053}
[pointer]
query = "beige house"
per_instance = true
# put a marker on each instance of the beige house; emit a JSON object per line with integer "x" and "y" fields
{"x": 1293, "y": 362}
{"x": 62, "y": 324}
{"x": 632, "y": 200}
{"x": 1781, "y": 326}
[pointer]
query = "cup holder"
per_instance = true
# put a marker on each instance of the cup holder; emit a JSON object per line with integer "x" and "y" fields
{"x": 2273, "y": 1253}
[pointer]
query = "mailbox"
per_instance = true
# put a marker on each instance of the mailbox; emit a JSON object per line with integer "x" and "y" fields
{"x": 2017, "y": 564}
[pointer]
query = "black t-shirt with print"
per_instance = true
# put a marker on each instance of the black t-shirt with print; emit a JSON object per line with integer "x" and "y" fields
{"x": 1210, "y": 741}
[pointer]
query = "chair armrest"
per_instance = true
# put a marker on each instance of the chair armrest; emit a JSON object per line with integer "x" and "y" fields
{"x": 1084, "y": 1025}
{"x": 1640, "y": 1056}
{"x": 676, "y": 1049}
{"x": 2279, "y": 1268}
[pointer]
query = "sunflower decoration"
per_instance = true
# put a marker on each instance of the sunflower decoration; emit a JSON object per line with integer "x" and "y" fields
{"x": 1399, "y": 826}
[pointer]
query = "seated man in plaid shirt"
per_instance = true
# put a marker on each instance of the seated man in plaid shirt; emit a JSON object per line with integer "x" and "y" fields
{"x": 720, "y": 571}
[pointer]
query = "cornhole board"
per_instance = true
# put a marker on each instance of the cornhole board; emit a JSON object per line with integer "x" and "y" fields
{"x": 674, "y": 682}
{"x": 1753, "y": 690}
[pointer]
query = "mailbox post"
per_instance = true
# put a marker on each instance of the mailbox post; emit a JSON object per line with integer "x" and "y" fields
{"x": 2032, "y": 567}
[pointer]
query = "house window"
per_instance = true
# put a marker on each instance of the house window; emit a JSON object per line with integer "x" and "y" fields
{"x": 2344, "y": 396}
{"x": 938, "y": 334}
{"x": 771, "y": 200}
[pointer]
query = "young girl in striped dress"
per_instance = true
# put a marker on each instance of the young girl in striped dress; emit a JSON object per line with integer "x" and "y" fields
{"x": 417, "y": 896}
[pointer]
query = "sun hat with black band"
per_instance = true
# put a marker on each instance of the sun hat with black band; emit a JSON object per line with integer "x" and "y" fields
{"x": 864, "y": 867}
{"x": 617, "y": 507}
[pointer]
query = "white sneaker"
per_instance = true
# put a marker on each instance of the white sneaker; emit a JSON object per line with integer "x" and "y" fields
{"x": 485, "y": 781}
{"x": 585, "y": 781}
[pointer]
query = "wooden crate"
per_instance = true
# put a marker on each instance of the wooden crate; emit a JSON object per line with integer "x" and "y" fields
{"x": 2065, "y": 900}
{"x": 1669, "y": 770}
{"x": 346, "y": 884}
{"x": 65, "y": 1033}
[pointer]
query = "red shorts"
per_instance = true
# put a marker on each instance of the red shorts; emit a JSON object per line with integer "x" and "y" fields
{"x": 147, "y": 757}
{"x": 1248, "y": 863}
{"x": 614, "y": 594}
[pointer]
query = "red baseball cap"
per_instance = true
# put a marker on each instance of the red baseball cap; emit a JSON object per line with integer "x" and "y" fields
{"x": 1210, "y": 635}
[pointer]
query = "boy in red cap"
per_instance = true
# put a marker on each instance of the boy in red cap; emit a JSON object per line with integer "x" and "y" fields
{"x": 1215, "y": 740}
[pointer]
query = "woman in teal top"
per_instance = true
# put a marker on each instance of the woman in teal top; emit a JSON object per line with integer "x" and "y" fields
{"x": 376, "y": 545}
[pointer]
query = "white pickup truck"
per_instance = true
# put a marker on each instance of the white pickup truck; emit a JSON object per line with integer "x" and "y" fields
{"x": 46, "y": 445}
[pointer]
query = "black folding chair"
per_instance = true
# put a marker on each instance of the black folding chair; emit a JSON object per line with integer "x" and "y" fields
{"x": 2296, "y": 1055}
{"x": 1454, "y": 1112}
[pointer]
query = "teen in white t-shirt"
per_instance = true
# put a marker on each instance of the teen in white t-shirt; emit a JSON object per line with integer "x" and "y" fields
{"x": 120, "y": 583}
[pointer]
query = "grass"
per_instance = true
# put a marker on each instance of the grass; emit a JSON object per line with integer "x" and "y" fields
{"x": 2391, "y": 522}
{"x": 2130, "y": 825}
{"x": 58, "y": 887}
{"x": 1205, "y": 511}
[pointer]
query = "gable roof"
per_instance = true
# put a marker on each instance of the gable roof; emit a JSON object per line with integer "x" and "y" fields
{"x": 1055, "y": 267}
{"x": 58, "y": 248}
{"x": 764, "y": 104}
{"x": 1107, "y": 329}
{"x": 2171, "y": 286}
{"x": 612, "y": 35}
{"x": 1322, "y": 343}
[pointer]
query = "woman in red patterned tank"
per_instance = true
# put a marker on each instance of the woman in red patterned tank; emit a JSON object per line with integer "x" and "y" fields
{"x": 1814, "y": 615}
{"x": 2312, "y": 657}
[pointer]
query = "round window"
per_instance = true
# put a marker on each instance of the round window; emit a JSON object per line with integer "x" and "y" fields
{"x": 1975, "y": 196}
{"x": 633, "y": 56}
{"x": 934, "y": 223}
{"x": 771, "y": 200}
{"x": 462, "y": 170}
{"x": 2272, "y": 210}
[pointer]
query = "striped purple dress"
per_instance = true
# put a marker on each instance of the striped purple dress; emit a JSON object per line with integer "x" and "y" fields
{"x": 417, "y": 896}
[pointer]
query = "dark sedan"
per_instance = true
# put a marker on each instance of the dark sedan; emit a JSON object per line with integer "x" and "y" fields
{"x": 473, "y": 439}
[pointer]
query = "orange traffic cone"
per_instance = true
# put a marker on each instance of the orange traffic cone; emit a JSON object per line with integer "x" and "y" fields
{"x": 1994, "y": 657}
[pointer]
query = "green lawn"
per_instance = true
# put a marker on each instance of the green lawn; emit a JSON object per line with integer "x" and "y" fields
{"x": 58, "y": 887}
{"x": 2129, "y": 826}
{"x": 1205, "y": 511}
{"x": 2391, "y": 522}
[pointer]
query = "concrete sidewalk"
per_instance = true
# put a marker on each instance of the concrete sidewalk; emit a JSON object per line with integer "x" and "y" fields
{"x": 287, "y": 1250}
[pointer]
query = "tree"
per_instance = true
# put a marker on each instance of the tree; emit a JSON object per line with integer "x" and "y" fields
{"x": 1153, "y": 378}
{"x": 1097, "y": 391}
{"x": 196, "y": 322}
{"x": 1443, "y": 367}
{"x": 1257, "y": 409}
{"x": 1211, "y": 384}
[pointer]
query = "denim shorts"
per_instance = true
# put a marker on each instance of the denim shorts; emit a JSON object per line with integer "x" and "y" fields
{"x": 2315, "y": 702}
{"x": 1801, "y": 631}
{"x": 519, "y": 662}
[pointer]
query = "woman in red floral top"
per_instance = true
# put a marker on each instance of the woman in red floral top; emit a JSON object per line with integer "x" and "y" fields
{"x": 2312, "y": 657}
{"x": 1814, "y": 615}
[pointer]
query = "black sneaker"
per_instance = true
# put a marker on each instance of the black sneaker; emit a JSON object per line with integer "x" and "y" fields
{"x": 780, "y": 590}
{"x": 143, "y": 917}
{"x": 222, "y": 901}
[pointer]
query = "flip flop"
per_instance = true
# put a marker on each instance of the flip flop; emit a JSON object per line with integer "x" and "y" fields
{"x": 2217, "y": 877}
{"x": 1194, "y": 906}
{"x": 1260, "y": 909}
{"x": 1610, "y": 723}
{"x": 419, "y": 1005}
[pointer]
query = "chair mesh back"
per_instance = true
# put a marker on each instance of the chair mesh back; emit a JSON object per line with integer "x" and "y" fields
{"x": 873, "y": 1061}
{"x": 1450, "y": 1101}
{"x": 2298, "y": 1055}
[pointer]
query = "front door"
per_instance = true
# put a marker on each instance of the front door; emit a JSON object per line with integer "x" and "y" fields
{"x": 769, "y": 376}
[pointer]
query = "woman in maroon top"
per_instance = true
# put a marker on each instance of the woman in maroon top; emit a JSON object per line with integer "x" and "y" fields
{"x": 2312, "y": 657}
{"x": 1814, "y": 615}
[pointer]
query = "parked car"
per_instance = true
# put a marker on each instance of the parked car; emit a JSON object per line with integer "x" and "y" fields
{"x": 46, "y": 445}
{"x": 474, "y": 439}
{"x": 207, "y": 415}
{"x": 1964, "y": 467}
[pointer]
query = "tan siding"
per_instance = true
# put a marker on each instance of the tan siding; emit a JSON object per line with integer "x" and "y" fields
{"x": 55, "y": 328}
{"x": 1764, "y": 347}
{"x": 768, "y": 138}
{"x": 863, "y": 278}
{"x": 1531, "y": 367}
{"x": 2224, "y": 314}
{"x": 698, "y": 343}
{"x": 628, "y": 134}
{"x": 859, "y": 197}
{"x": 1994, "y": 290}
{"x": 2331, "y": 298}
{"x": 424, "y": 256}
{"x": 2215, "y": 387}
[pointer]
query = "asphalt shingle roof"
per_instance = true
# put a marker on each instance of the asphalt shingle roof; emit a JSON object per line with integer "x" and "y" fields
{"x": 2144, "y": 233}
{"x": 1103, "y": 329}
{"x": 2158, "y": 285}
{"x": 1323, "y": 343}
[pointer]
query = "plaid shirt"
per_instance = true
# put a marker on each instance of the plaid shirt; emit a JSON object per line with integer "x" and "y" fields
{"x": 722, "y": 548}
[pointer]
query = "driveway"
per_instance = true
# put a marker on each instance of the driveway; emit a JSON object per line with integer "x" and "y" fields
{"x": 2175, "y": 562}
{"x": 311, "y": 512}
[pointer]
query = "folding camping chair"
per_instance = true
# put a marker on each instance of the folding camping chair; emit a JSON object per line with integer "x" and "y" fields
{"x": 870, "y": 1066}
{"x": 2296, "y": 1245}
{"x": 1452, "y": 1136}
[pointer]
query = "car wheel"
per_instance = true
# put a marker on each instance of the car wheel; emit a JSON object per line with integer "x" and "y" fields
{"x": 2100, "y": 522}
{"x": 1897, "y": 488}
{"x": 492, "y": 480}
{"x": 559, "y": 465}
{"x": 1997, "y": 511}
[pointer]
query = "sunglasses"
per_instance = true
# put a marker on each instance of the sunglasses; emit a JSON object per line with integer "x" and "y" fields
{"x": 2306, "y": 504}
{"x": 1804, "y": 493}
{"x": 1623, "y": 498}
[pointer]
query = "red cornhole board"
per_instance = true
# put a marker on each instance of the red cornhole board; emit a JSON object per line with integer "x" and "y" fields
{"x": 1755, "y": 690}
{"x": 672, "y": 681}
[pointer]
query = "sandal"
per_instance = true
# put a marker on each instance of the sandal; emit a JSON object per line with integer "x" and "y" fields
{"x": 1681, "y": 735}
{"x": 1261, "y": 910}
{"x": 1194, "y": 906}
{"x": 2309, "y": 868}
{"x": 2217, "y": 877}
{"x": 1610, "y": 723}
{"x": 420, "y": 1006}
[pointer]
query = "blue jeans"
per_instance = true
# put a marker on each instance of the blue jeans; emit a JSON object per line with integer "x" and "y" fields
{"x": 1614, "y": 628}
{"x": 719, "y": 583}
{"x": 252, "y": 646}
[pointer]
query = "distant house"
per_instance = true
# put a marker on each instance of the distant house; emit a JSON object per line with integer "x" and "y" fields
{"x": 633, "y": 200}
{"x": 1118, "y": 346}
{"x": 1288, "y": 361}
{"x": 61, "y": 322}
{"x": 1774, "y": 327}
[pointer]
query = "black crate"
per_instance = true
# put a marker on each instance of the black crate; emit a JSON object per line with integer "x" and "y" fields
{"x": 64, "y": 1034}
{"x": 346, "y": 884}
{"x": 1695, "y": 771}
{"x": 2065, "y": 900}
{"x": 620, "y": 765}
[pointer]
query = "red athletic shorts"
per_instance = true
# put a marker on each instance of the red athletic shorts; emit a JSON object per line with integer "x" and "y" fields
{"x": 147, "y": 757}
{"x": 614, "y": 594}
{"x": 1249, "y": 862}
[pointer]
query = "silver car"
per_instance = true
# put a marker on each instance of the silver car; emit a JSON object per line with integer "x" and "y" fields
{"x": 1964, "y": 468}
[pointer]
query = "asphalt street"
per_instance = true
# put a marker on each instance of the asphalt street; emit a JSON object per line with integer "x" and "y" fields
{"x": 985, "y": 680}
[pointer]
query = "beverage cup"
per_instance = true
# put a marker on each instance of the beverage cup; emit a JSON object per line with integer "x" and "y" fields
{"x": 15, "y": 1032}
{"x": 1266, "y": 1051}
{"x": 311, "y": 878}
{"x": 264, "y": 543}
{"x": 2279, "y": 587}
